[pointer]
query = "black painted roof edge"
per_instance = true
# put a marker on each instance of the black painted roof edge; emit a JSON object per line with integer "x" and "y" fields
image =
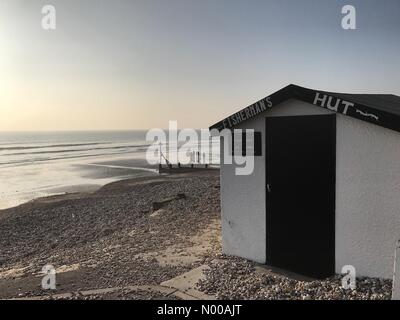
{"x": 387, "y": 116}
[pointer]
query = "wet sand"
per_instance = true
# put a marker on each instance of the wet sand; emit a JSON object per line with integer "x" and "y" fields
{"x": 54, "y": 178}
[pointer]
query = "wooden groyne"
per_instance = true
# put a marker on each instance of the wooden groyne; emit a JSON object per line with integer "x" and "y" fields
{"x": 178, "y": 168}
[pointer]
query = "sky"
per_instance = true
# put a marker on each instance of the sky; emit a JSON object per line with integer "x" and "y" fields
{"x": 122, "y": 65}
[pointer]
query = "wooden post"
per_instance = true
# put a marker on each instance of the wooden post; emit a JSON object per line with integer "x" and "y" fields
{"x": 159, "y": 150}
{"x": 396, "y": 273}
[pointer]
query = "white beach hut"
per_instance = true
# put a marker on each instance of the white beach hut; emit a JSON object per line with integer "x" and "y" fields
{"x": 325, "y": 189}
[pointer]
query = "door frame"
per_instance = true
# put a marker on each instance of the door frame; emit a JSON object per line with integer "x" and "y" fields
{"x": 333, "y": 182}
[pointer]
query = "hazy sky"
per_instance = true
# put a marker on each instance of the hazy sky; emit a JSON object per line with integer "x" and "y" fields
{"x": 137, "y": 64}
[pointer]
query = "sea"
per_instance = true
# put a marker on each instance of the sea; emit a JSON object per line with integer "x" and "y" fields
{"x": 39, "y": 164}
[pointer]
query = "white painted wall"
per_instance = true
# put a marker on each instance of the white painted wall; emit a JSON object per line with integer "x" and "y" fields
{"x": 367, "y": 195}
{"x": 243, "y": 206}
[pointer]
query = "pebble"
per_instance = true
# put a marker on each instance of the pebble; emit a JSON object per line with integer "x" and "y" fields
{"x": 235, "y": 278}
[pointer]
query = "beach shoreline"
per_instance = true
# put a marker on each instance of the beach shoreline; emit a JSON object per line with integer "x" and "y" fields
{"x": 79, "y": 178}
{"x": 41, "y": 164}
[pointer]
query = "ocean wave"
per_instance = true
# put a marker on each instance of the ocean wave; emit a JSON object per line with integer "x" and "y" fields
{"x": 51, "y": 146}
{"x": 24, "y": 161}
{"x": 142, "y": 147}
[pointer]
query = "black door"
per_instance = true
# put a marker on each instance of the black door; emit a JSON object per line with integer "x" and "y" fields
{"x": 300, "y": 177}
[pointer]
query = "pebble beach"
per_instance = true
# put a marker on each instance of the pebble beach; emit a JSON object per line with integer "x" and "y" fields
{"x": 116, "y": 237}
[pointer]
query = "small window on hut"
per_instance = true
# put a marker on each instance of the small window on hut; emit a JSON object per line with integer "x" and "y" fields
{"x": 248, "y": 145}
